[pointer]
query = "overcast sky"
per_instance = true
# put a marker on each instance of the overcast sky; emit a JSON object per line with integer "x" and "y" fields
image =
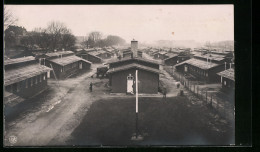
{"x": 146, "y": 23}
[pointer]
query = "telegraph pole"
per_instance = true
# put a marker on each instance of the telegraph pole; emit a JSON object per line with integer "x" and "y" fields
{"x": 136, "y": 104}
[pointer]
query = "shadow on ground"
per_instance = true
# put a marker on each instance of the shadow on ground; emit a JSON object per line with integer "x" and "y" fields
{"x": 170, "y": 122}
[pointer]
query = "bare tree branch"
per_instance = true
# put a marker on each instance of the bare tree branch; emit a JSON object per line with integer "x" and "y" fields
{"x": 9, "y": 18}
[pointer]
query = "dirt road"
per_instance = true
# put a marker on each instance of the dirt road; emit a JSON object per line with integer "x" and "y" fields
{"x": 52, "y": 122}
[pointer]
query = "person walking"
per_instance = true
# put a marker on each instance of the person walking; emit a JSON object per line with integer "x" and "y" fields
{"x": 90, "y": 86}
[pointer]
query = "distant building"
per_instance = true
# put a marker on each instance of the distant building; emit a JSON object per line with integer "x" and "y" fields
{"x": 87, "y": 55}
{"x": 160, "y": 55}
{"x": 24, "y": 77}
{"x": 103, "y": 54}
{"x": 202, "y": 70}
{"x": 113, "y": 52}
{"x": 175, "y": 59}
{"x": 227, "y": 79}
{"x": 133, "y": 51}
{"x": 219, "y": 59}
{"x": 64, "y": 64}
{"x": 129, "y": 54}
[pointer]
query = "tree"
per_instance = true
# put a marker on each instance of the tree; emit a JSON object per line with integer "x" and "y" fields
{"x": 54, "y": 30}
{"x": 114, "y": 40}
{"x": 13, "y": 35}
{"x": 9, "y": 19}
{"x": 94, "y": 40}
{"x": 95, "y": 36}
{"x": 55, "y": 36}
{"x": 68, "y": 41}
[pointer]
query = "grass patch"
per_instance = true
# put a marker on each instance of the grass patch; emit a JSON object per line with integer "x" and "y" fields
{"x": 171, "y": 122}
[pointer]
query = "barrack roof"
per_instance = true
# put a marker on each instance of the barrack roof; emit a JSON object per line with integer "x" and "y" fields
{"x": 229, "y": 73}
{"x": 211, "y": 56}
{"x": 133, "y": 65}
{"x": 135, "y": 58}
{"x": 67, "y": 60}
{"x": 171, "y": 56}
{"x": 19, "y": 60}
{"x": 58, "y": 53}
{"x": 199, "y": 63}
{"x": 22, "y": 73}
{"x": 95, "y": 53}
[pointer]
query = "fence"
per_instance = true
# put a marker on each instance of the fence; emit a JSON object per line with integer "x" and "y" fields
{"x": 208, "y": 98}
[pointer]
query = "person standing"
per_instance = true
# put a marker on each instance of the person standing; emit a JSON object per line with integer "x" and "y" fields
{"x": 178, "y": 85}
{"x": 164, "y": 93}
{"x": 90, "y": 86}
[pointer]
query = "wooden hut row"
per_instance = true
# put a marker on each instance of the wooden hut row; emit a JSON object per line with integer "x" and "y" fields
{"x": 202, "y": 70}
{"x": 24, "y": 77}
{"x": 64, "y": 64}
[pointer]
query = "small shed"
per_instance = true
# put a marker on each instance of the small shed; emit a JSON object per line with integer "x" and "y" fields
{"x": 227, "y": 79}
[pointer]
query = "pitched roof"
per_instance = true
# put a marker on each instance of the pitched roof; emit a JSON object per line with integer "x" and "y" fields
{"x": 163, "y": 53}
{"x": 211, "y": 56}
{"x": 199, "y": 63}
{"x": 18, "y": 60}
{"x": 229, "y": 73}
{"x": 22, "y": 73}
{"x": 133, "y": 65}
{"x": 135, "y": 58}
{"x": 67, "y": 60}
{"x": 109, "y": 49}
{"x": 103, "y": 51}
{"x": 59, "y": 53}
{"x": 95, "y": 53}
{"x": 171, "y": 56}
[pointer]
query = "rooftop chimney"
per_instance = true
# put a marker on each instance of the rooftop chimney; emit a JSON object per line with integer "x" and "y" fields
{"x": 134, "y": 47}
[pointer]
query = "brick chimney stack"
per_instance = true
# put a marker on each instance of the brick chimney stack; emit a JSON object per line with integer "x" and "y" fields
{"x": 134, "y": 47}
